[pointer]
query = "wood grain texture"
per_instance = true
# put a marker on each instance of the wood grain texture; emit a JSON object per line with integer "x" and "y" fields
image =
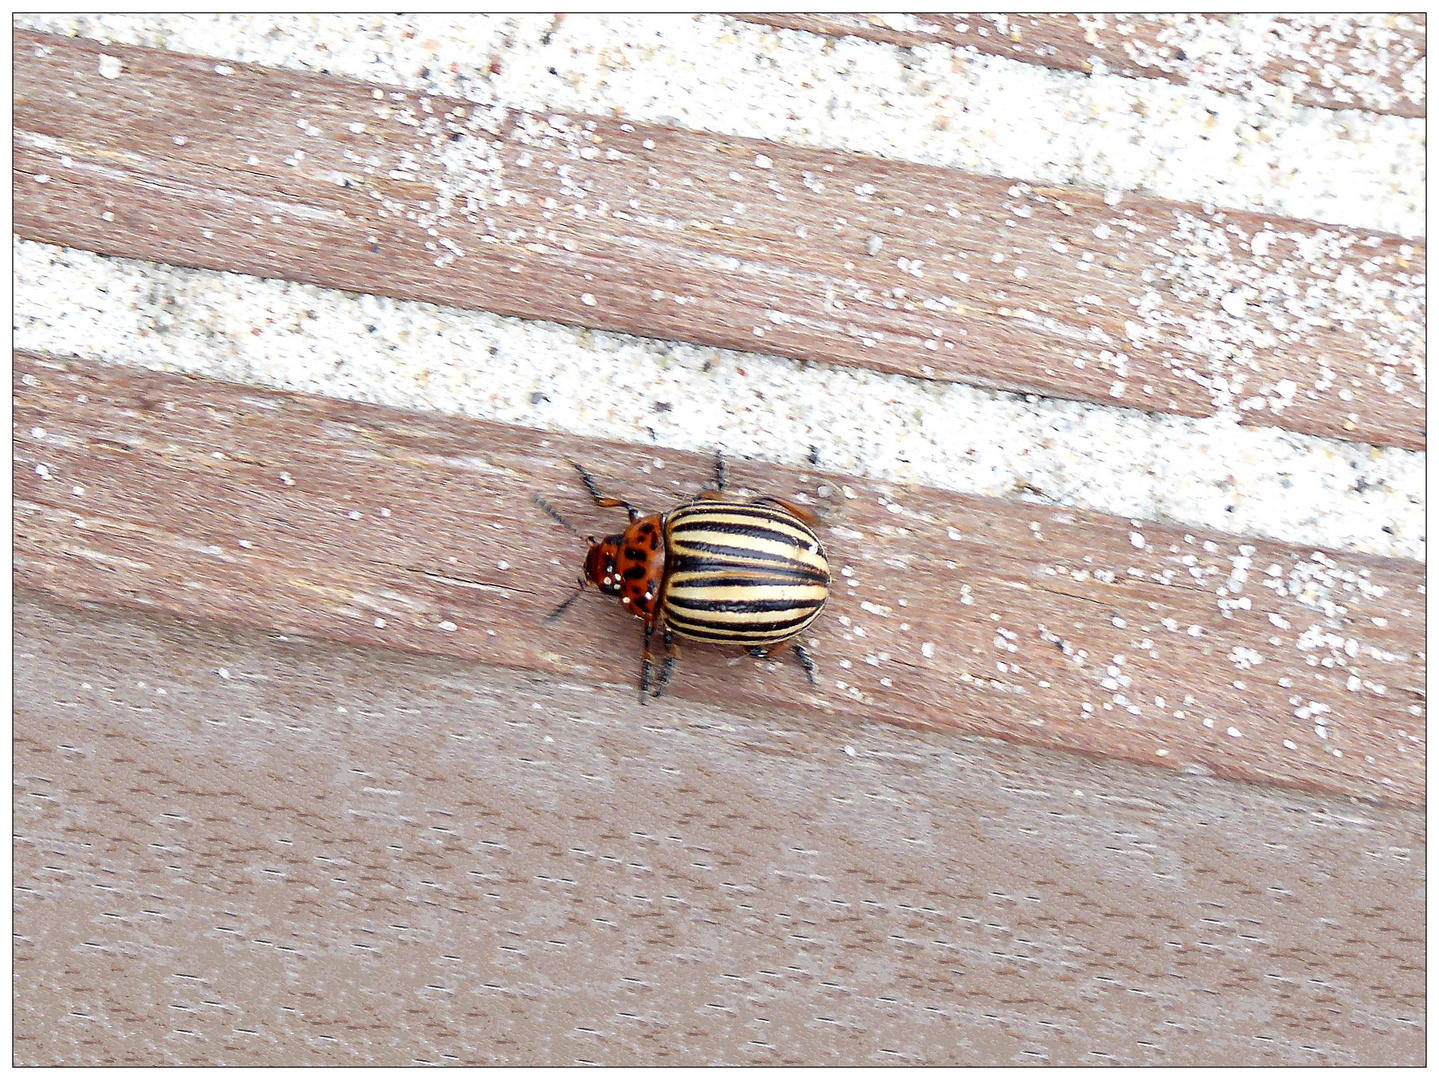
{"x": 233, "y": 849}
{"x": 1193, "y": 652}
{"x": 1335, "y": 67}
{"x": 738, "y": 243}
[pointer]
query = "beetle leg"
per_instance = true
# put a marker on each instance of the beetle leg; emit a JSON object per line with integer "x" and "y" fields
{"x": 721, "y": 476}
{"x": 767, "y": 652}
{"x": 646, "y": 665}
{"x": 671, "y": 657}
{"x": 603, "y": 500}
{"x": 799, "y": 651}
{"x": 809, "y": 517}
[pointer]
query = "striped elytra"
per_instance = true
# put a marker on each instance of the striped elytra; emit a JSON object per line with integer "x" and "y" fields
{"x": 747, "y": 573}
{"x": 750, "y": 573}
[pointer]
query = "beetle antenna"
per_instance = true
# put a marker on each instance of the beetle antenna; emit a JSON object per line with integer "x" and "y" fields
{"x": 555, "y": 514}
{"x": 552, "y": 616}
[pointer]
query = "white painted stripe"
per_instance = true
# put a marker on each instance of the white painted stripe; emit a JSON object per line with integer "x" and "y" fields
{"x": 935, "y": 105}
{"x": 1207, "y": 473}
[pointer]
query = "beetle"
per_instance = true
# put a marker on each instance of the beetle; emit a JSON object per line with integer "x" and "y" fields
{"x": 716, "y": 569}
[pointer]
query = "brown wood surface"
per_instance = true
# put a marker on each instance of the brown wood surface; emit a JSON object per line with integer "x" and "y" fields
{"x": 744, "y": 244}
{"x": 345, "y": 521}
{"x": 236, "y": 849}
{"x": 302, "y": 777}
{"x": 1334, "y": 68}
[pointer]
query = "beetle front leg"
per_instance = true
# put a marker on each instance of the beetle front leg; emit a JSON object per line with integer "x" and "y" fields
{"x": 603, "y": 500}
{"x": 646, "y": 665}
{"x": 671, "y": 658}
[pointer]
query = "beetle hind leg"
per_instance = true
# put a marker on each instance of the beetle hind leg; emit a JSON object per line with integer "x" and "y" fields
{"x": 809, "y": 517}
{"x": 765, "y": 652}
{"x": 721, "y": 477}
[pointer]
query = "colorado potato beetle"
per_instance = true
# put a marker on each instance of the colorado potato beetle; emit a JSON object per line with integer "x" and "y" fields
{"x": 747, "y": 572}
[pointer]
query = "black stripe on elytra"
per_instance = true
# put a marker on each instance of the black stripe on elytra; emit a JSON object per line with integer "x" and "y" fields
{"x": 703, "y": 578}
{"x": 686, "y": 561}
{"x": 750, "y": 510}
{"x": 758, "y": 632}
{"x": 738, "y": 528}
{"x": 714, "y": 574}
{"x": 678, "y": 600}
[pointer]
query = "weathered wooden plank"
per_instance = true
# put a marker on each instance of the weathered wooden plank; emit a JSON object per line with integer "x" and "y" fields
{"x": 733, "y": 242}
{"x": 1064, "y": 629}
{"x": 1343, "y": 65}
{"x": 235, "y": 850}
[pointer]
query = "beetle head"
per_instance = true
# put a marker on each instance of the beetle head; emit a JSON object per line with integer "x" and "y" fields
{"x": 602, "y": 564}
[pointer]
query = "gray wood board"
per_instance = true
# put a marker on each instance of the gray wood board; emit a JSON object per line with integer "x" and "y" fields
{"x": 232, "y": 847}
